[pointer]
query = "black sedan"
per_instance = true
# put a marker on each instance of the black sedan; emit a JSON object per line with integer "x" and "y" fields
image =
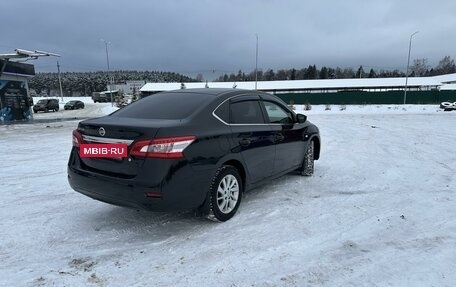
{"x": 74, "y": 105}
{"x": 192, "y": 149}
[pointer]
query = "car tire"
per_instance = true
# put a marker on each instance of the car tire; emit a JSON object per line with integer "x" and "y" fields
{"x": 56, "y": 109}
{"x": 307, "y": 168}
{"x": 225, "y": 194}
{"x": 446, "y": 105}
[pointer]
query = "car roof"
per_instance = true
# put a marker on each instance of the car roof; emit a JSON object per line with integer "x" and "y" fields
{"x": 211, "y": 91}
{"x": 221, "y": 94}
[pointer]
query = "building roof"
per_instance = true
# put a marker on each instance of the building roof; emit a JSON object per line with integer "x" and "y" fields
{"x": 297, "y": 85}
{"x": 446, "y": 79}
{"x": 16, "y": 69}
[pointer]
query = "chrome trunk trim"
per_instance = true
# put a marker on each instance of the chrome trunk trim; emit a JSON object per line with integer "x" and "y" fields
{"x": 87, "y": 138}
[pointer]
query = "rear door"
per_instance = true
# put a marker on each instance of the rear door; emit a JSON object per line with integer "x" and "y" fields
{"x": 251, "y": 136}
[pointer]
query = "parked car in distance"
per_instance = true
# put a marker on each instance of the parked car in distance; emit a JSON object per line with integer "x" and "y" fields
{"x": 46, "y": 105}
{"x": 193, "y": 149}
{"x": 99, "y": 97}
{"x": 105, "y": 96}
{"x": 74, "y": 105}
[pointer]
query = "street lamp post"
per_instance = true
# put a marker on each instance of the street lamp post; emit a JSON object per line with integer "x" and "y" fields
{"x": 60, "y": 81}
{"x": 107, "y": 63}
{"x": 256, "y": 63}
{"x": 408, "y": 63}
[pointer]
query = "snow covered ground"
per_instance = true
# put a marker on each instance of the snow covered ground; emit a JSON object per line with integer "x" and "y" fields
{"x": 379, "y": 211}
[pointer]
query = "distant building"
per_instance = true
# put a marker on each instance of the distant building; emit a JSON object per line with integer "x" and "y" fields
{"x": 129, "y": 87}
{"x": 15, "y": 102}
{"x": 316, "y": 86}
{"x": 424, "y": 90}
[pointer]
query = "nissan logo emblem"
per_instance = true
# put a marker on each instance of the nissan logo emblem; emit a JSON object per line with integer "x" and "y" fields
{"x": 101, "y": 131}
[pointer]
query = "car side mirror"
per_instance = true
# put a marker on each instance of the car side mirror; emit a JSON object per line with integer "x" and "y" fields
{"x": 301, "y": 118}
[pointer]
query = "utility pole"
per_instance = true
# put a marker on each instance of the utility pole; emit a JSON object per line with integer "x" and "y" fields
{"x": 256, "y": 63}
{"x": 60, "y": 81}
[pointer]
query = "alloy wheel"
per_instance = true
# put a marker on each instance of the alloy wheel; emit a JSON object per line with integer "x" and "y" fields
{"x": 227, "y": 194}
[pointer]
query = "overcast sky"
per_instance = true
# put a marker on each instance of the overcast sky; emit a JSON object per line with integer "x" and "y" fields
{"x": 205, "y": 35}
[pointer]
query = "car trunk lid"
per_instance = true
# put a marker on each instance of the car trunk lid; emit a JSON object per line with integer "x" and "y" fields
{"x": 111, "y": 130}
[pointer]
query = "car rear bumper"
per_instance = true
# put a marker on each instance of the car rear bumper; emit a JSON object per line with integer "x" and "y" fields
{"x": 183, "y": 188}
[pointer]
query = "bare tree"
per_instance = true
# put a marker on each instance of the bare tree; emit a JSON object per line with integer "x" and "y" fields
{"x": 199, "y": 77}
{"x": 446, "y": 66}
{"x": 419, "y": 67}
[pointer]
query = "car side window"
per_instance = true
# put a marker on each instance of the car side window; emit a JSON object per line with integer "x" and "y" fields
{"x": 223, "y": 112}
{"x": 277, "y": 114}
{"x": 246, "y": 112}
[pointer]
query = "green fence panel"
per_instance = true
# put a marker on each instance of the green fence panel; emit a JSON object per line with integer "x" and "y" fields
{"x": 362, "y": 97}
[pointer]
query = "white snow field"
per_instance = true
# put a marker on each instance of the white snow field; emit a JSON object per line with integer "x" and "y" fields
{"x": 379, "y": 211}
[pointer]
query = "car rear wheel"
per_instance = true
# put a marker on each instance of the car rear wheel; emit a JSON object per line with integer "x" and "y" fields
{"x": 307, "y": 168}
{"x": 225, "y": 194}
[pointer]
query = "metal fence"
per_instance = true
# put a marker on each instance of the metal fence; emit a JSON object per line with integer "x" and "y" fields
{"x": 361, "y": 97}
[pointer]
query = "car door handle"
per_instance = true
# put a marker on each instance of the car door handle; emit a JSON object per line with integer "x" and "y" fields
{"x": 244, "y": 142}
{"x": 279, "y": 137}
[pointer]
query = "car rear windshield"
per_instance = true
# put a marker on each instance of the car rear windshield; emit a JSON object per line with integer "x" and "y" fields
{"x": 170, "y": 106}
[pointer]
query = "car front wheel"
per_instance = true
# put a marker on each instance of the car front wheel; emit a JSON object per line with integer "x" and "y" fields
{"x": 307, "y": 168}
{"x": 225, "y": 194}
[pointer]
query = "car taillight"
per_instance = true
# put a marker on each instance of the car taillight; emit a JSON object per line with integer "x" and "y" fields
{"x": 77, "y": 138}
{"x": 162, "y": 148}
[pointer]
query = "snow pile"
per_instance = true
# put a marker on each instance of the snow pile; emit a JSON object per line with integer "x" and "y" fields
{"x": 379, "y": 211}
